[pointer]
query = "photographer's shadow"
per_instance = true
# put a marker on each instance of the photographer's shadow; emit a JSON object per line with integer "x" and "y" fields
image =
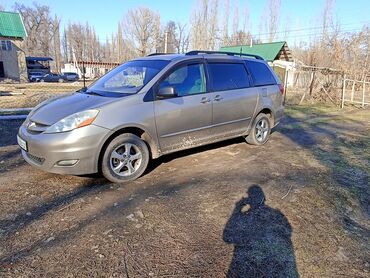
{"x": 261, "y": 237}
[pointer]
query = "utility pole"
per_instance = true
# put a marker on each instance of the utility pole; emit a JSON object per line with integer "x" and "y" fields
{"x": 83, "y": 72}
{"x": 165, "y": 41}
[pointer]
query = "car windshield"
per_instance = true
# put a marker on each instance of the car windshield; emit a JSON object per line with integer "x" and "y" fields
{"x": 127, "y": 78}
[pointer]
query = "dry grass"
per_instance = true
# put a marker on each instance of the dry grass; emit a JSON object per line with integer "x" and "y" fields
{"x": 33, "y": 93}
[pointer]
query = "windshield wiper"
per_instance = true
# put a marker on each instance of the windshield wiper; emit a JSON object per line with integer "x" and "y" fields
{"x": 92, "y": 93}
{"x": 83, "y": 89}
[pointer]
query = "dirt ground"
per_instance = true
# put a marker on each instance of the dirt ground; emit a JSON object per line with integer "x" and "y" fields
{"x": 296, "y": 207}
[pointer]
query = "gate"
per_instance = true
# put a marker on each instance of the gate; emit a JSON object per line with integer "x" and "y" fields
{"x": 355, "y": 92}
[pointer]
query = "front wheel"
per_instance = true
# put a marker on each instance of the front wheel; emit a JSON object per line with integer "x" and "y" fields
{"x": 260, "y": 130}
{"x": 125, "y": 158}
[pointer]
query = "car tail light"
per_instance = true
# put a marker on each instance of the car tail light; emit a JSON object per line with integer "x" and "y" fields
{"x": 281, "y": 88}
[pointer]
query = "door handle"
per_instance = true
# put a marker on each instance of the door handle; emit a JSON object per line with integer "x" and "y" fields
{"x": 205, "y": 100}
{"x": 264, "y": 92}
{"x": 218, "y": 98}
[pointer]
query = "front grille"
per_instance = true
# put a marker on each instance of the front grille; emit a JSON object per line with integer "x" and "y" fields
{"x": 36, "y": 159}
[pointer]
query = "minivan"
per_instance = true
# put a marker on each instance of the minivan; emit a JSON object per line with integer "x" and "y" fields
{"x": 152, "y": 106}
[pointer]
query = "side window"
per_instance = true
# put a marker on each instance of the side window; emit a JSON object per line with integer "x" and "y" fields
{"x": 187, "y": 80}
{"x": 228, "y": 76}
{"x": 260, "y": 73}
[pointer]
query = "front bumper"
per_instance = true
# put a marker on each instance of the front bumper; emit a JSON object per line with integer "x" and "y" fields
{"x": 82, "y": 144}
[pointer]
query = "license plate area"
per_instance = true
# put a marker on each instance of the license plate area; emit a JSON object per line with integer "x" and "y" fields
{"x": 22, "y": 143}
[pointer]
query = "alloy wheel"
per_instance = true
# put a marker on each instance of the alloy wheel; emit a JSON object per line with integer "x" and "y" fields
{"x": 125, "y": 159}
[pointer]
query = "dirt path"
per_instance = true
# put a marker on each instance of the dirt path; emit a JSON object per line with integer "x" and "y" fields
{"x": 308, "y": 201}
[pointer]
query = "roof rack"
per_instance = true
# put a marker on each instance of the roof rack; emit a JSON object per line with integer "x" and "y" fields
{"x": 196, "y": 52}
{"x": 158, "y": 53}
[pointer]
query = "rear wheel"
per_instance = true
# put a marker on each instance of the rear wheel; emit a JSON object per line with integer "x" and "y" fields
{"x": 125, "y": 158}
{"x": 260, "y": 130}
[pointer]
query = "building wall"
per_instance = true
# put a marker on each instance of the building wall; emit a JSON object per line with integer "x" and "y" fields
{"x": 91, "y": 71}
{"x": 14, "y": 61}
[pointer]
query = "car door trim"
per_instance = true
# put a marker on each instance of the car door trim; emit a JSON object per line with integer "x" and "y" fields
{"x": 204, "y": 127}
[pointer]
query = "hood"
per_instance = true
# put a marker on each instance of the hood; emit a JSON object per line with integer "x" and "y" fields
{"x": 60, "y": 108}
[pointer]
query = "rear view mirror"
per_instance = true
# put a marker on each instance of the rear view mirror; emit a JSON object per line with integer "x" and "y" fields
{"x": 166, "y": 92}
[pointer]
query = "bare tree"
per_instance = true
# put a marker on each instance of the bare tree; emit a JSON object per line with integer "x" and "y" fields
{"x": 142, "y": 27}
{"x": 236, "y": 18}
{"x": 169, "y": 40}
{"x": 225, "y": 27}
{"x": 182, "y": 38}
{"x": 55, "y": 24}
{"x": 204, "y": 25}
{"x": 37, "y": 21}
{"x": 270, "y": 20}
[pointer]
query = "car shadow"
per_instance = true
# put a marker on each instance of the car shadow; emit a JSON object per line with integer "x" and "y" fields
{"x": 8, "y": 131}
{"x": 10, "y": 160}
{"x": 261, "y": 236}
{"x": 155, "y": 163}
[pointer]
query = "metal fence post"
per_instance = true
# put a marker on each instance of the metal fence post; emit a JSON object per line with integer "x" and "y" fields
{"x": 353, "y": 90}
{"x": 285, "y": 85}
{"x": 363, "y": 93}
{"x": 343, "y": 90}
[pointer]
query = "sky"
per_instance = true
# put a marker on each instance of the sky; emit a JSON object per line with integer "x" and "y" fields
{"x": 104, "y": 15}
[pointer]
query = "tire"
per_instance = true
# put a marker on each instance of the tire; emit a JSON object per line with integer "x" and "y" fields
{"x": 260, "y": 131}
{"x": 125, "y": 158}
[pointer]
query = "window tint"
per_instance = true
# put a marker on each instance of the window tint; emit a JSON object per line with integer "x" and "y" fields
{"x": 261, "y": 74}
{"x": 186, "y": 80}
{"x": 228, "y": 76}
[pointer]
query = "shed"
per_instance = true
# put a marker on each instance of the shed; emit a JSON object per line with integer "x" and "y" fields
{"x": 12, "y": 57}
{"x": 269, "y": 51}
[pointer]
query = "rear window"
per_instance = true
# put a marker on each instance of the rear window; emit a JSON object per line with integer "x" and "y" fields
{"x": 228, "y": 76}
{"x": 261, "y": 74}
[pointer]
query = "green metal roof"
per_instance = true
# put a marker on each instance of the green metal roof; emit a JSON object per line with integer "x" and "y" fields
{"x": 11, "y": 25}
{"x": 268, "y": 51}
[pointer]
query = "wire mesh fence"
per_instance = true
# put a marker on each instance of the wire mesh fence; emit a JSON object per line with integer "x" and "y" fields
{"x": 15, "y": 95}
{"x": 302, "y": 84}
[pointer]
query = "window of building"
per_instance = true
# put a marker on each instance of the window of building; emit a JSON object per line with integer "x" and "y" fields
{"x": 6, "y": 45}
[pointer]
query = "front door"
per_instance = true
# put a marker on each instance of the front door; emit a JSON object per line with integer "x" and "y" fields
{"x": 234, "y": 100}
{"x": 184, "y": 121}
{"x": 2, "y": 72}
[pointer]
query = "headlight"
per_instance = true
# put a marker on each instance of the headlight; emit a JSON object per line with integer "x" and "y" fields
{"x": 74, "y": 121}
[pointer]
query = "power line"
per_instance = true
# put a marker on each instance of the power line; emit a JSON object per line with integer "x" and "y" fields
{"x": 310, "y": 28}
{"x": 316, "y": 35}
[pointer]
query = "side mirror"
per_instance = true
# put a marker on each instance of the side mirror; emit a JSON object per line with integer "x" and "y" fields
{"x": 166, "y": 92}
